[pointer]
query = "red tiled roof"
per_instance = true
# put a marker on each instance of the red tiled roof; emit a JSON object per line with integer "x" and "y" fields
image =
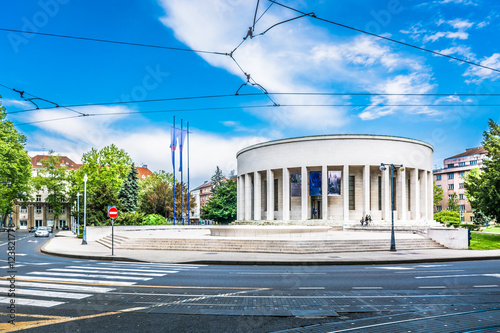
{"x": 63, "y": 159}
{"x": 143, "y": 171}
{"x": 470, "y": 151}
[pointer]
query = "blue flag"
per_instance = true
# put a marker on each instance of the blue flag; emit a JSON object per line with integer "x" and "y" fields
{"x": 182, "y": 138}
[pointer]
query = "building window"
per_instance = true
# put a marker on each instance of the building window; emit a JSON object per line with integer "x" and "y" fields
{"x": 63, "y": 210}
{"x": 451, "y": 175}
{"x": 451, "y": 186}
{"x": 351, "y": 193}
{"x": 461, "y": 196}
{"x": 439, "y": 208}
{"x": 472, "y": 218}
{"x": 38, "y": 223}
{"x": 38, "y": 198}
{"x": 23, "y": 223}
{"x": 438, "y": 177}
{"x": 38, "y": 209}
{"x": 460, "y": 164}
{"x": 24, "y": 209}
{"x": 461, "y": 185}
{"x": 379, "y": 193}
{"x": 462, "y": 208}
{"x": 451, "y": 165}
{"x": 461, "y": 174}
{"x": 50, "y": 210}
{"x": 450, "y": 196}
{"x": 473, "y": 162}
{"x": 438, "y": 185}
{"x": 276, "y": 194}
{"x": 462, "y": 218}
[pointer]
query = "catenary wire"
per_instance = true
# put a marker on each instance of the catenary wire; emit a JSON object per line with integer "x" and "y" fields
{"x": 260, "y": 94}
{"x": 312, "y": 15}
{"x": 116, "y": 42}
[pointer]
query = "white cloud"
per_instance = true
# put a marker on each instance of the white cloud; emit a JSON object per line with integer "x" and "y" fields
{"x": 16, "y": 103}
{"x": 418, "y": 83}
{"x": 478, "y": 74}
{"x": 460, "y": 50}
{"x": 292, "y": 57}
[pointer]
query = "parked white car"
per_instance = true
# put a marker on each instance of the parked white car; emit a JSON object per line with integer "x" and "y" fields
{"x": 42, "y": 232}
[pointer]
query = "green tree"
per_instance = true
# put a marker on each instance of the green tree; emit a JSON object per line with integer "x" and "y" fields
{"x": 453, "y": 203}
{"x": 217, "y": 179}
{"x": 483, "y": 188}
{"x": 438, "y": 194}
{"x": 129, "y": 191}
{"x": 106, "y": 170}
{"x": 221, "y": 207}
{"x": 15, "y": 166}
{"x": 53, "y": 178}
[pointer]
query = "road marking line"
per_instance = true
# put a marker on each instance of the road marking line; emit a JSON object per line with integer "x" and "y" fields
{"x": 53, "y": 294}
{"x": 123, "y": 269}
{"x": 284, "y": 273}
{"x": 448, "y": 276}
{"x": 398, "y": 267}
{"x": 71, "y": 287}
{"x": 92, "y": 276}
{"x": 367, "y": 288}
{"x": 432, "y": 287}
{"x": 31, "y": 302}
{"x": 104, "y": 272}
{"x": 487, "y": 286}
{"x": 77, "y": 281}
{"x": 312, "y": 288}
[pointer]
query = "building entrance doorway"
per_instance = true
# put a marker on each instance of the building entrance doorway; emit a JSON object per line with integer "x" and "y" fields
{"x": 316, "y": 208}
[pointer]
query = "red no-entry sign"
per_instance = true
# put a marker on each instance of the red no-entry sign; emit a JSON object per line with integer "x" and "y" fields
{"x": 112, "y": 212}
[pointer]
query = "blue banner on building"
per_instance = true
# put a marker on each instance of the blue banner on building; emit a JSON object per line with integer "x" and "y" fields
{"x": 296, "y": 184}
{"x": 314, "y": 183}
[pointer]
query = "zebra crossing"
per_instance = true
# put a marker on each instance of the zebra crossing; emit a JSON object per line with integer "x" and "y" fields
{"x": 50, "y": 287}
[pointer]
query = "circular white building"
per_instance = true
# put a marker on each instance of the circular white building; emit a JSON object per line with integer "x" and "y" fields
{"x": 336, "y": 180}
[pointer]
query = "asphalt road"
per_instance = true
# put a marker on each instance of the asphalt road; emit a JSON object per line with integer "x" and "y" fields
{"x": 54, "y": 294}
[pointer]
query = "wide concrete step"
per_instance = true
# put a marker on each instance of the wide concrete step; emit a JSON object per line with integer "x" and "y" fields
{"x": 272, "y": 246}
{"x": 106, "y": 241}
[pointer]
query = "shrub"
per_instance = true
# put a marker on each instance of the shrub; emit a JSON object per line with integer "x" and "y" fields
{"x": 129, "y": 219}
{"x": 154, "y": 219}
{"x": 447, "y": 217}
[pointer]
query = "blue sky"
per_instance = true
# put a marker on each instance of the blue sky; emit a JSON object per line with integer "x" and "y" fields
{"x": 303, "y": 55}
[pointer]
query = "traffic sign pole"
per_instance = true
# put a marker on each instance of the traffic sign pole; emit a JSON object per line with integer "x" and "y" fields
{"x": 112, "y": 213}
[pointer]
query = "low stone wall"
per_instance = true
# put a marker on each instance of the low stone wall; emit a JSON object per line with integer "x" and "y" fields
{"x": 269, "y": 231}
{"x": 452, "y": 238}
{"x": 95, "y": 233}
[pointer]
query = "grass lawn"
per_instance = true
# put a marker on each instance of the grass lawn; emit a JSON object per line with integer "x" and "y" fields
{"x": 492, "y": 229}
{"x": 484, "y": 241}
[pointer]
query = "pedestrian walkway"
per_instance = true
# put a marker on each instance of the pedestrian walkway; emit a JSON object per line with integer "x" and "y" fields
{"x": 66, "y": 244}
{"x": 78, "y": 281}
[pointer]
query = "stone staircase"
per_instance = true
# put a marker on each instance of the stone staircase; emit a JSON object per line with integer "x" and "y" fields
{"x": 267, "y": 245}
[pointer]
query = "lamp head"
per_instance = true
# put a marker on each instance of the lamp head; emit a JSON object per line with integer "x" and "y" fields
{"x": 402, "y": 168}
{"x": 382, "y": 167}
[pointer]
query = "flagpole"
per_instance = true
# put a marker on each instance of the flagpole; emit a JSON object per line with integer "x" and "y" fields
{"x": 189, "y": 194}
{"x": 180, "y": 152}
{"x": 173, "y": 160}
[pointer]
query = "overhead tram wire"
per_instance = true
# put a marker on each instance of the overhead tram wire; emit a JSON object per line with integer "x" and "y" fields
{"x": 255, "y": 107}
{"x": 312, "y": 15}
{"x": 260, "y": 94}
{"x": 21, "y": 93}
{"x": 116, "y": 42}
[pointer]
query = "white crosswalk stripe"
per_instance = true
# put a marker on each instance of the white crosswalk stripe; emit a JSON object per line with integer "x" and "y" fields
{"x": 51, "y": 287}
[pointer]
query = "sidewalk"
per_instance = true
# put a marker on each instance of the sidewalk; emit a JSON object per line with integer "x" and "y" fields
{"x": 67, "y": 245}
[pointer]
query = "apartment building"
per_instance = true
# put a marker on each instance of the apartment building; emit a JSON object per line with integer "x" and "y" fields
{"x": 451, "y": 179}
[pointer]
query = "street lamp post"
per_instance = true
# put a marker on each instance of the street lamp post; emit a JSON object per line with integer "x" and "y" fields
{"x": 383, "y": 168}
{"x": 84, "y": 239}
{"x": 78, "y": 216}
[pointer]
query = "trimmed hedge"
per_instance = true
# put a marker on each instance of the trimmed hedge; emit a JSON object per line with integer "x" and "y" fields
{"x": 447, "y": 216}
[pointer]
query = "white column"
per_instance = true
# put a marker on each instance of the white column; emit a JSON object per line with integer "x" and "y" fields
{"x": 366, "y": 190}
{"x": 345, "y": 177}
{"x": 270, "y": 195}
{"x": 403, "y": 200}
{"x": 248, "y": 197}
{"x": 415, "y": 205}
{"x": 324, "y": 192}
{"x": 240, "y": 198}
{"x": 430, "y": 189}
{"x": 425, "y": 206}
{"x": 386, "y": 177}
{"x": 286, "y": 195}
{"x": 304, "y": 196}
{"x": 257, "y": 194}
